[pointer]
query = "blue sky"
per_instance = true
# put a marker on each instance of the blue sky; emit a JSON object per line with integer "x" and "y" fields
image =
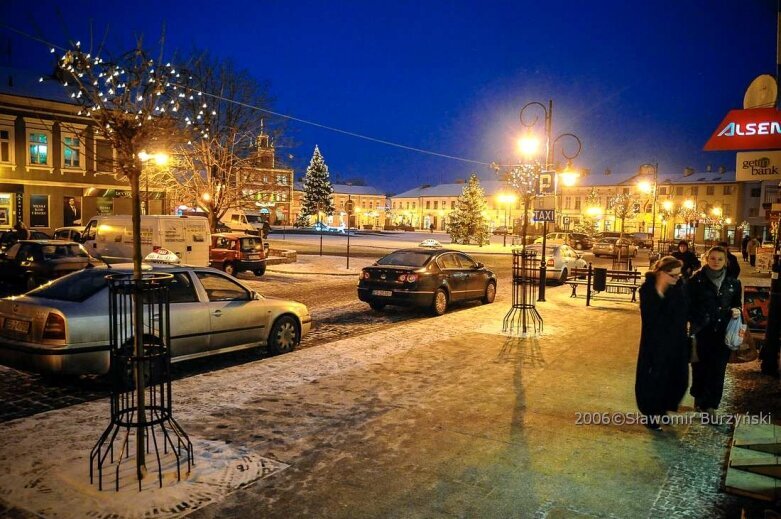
{"x": 636, "y": 81}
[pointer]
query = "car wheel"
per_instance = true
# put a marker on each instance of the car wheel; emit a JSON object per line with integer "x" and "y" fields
{"x": 284, "y": 336}
{"x": 259, "y": 272}
{"x": 490, "y": 294}
{"x": 563, "y": 276}
{"x": 439, "y": 304}
{"x": 377, "y": 306}
{"x": 229, "y": 269}
{"x": 30, "y": 282}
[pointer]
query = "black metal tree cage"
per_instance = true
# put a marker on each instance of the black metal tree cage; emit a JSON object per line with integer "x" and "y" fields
{"x": 523, "y": 314}
{"x": 144, "y": 413}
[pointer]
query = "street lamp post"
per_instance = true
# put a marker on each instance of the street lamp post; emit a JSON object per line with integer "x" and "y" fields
{"x": 646, "y": 187}
{"x": 528, "y": 147}
{"x": 506, "y": 200}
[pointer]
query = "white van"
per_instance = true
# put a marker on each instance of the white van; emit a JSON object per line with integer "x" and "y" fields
{"x": 239, "y": 220}
{"x": 111, "y": 237}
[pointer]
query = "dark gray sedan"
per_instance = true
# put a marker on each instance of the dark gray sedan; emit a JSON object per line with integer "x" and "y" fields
{"x": 430, "y": 277}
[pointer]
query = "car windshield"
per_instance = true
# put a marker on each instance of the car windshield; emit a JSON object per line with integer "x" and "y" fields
{"x": 250, "y": 244}
{"x": 76, "y": 287}
{"x": 51, "y": 252}
{"x": 406, "y": 258}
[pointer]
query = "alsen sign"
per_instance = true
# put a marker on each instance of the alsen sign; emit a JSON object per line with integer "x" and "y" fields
{"x": 754, "y": 129}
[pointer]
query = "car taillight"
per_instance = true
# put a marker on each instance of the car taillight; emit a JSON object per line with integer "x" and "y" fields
{"x": 54, "y": 327}
{"x": 409, "y": 278}
{"x": 550, "y": 262}
{"x": 364, "y": 275}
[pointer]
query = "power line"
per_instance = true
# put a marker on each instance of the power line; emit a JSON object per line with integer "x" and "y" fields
{"x": 287, "y": 116}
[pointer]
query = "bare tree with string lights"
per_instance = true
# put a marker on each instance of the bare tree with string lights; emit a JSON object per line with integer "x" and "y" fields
{"x": 138, "y": 104}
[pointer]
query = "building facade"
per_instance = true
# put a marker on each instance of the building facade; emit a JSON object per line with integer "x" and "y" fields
{"x": 369, "y": 206}
{"x": 429, "y": 205}
{"x": 55, "y": 169}
{"x": 270, "y": 188}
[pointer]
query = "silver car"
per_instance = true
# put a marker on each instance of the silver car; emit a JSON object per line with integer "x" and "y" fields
{"x": 559, "y": 261}
{"x": 62, "y": 327}
{"x": 615, "y": 247}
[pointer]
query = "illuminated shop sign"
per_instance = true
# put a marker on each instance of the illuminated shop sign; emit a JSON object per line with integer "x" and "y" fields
{"x": 758, "y": 165}
{"x": 754, "y": 129}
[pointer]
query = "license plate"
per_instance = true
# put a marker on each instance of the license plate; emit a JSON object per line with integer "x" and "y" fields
{"x": 386, "y": 293}
{"x": 254, "y": 256}
{"x": 15, "y": 325}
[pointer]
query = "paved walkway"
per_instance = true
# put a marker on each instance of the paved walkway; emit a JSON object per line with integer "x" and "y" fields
{"x": 443, "y": 417}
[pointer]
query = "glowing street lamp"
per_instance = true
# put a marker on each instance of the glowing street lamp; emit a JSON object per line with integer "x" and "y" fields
{"x": 529, "y": 144}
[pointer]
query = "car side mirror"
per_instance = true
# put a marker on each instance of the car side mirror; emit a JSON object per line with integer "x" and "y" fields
{"x": 478, "y": 265}
{"x": 255, "y": 296}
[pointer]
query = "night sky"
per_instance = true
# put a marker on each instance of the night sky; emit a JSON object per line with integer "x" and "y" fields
{"x": 638, "y": 82}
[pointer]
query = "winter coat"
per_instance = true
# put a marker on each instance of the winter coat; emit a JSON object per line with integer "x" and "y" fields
{"x": 752, "y": 246}
{"x": 733, "y": 266}
{"x": 744, "y": 244}
{"x": 711, "y": 308}
{"x": 663, "y": 358}
{"x": 690, "y": 262}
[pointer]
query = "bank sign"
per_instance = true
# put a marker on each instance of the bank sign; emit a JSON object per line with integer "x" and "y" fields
{"x": 754, "y": 129}
{"x": 758, "y": 165}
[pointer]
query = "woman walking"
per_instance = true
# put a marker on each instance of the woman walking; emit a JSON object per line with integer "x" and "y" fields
{"x": 663, "y": 359}
{"x": 715, "y": 299}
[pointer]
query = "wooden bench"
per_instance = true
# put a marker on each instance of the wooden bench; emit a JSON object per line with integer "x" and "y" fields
{"x": 617, "y": 282}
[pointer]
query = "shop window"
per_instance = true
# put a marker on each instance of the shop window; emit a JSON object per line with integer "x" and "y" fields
{"x": 756, "y": 192}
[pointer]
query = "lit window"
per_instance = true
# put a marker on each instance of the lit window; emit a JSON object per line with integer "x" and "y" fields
{"x": 71, "y": 156}
{"x": 39, "y": 148}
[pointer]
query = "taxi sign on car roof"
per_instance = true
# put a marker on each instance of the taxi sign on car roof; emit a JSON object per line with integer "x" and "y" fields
{"x": 430, "y": 242}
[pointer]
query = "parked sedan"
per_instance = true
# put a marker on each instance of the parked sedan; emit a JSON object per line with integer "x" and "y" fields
{"x": 63, "y": 327}
{"x": 559, "y": 261}
{"x": 28, "y": 263}
{"x": 614, "y": 247}
{"x": 426, "y": 277}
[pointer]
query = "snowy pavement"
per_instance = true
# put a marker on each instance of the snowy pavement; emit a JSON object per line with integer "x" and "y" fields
{"x": 440, "y": 417}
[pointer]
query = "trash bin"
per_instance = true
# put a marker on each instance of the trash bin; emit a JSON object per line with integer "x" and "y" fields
{"x": 599, "y": 282}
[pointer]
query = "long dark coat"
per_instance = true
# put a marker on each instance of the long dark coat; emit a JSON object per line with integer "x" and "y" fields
{"x": 663, "y": 360}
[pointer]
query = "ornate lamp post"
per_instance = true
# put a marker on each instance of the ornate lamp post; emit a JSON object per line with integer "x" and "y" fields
{"x": 547, "y": 173}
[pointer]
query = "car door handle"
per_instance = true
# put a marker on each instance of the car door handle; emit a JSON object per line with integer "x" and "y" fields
{"x": 217, "y": 313}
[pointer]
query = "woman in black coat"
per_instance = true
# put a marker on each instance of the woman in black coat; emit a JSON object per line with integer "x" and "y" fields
{"x": 716, "y": 298}
{"x": 663, "y": 359}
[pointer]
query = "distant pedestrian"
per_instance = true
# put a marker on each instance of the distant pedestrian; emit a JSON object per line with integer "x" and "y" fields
{"x": 744, "y": 247}
{"x": 733, "y": 266}
{"x": 715, "y": 299}
{"x": 431, "y": 228}
{"x": 663, "y": 359}
{"x": 751, "y": 248}
{"x": 265, "y": 229}
{"x": 688, "y": 258}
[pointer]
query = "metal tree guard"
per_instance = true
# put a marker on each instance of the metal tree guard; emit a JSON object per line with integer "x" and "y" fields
{"x": 523, "y": 313}
{"x": 152, "y": 419}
